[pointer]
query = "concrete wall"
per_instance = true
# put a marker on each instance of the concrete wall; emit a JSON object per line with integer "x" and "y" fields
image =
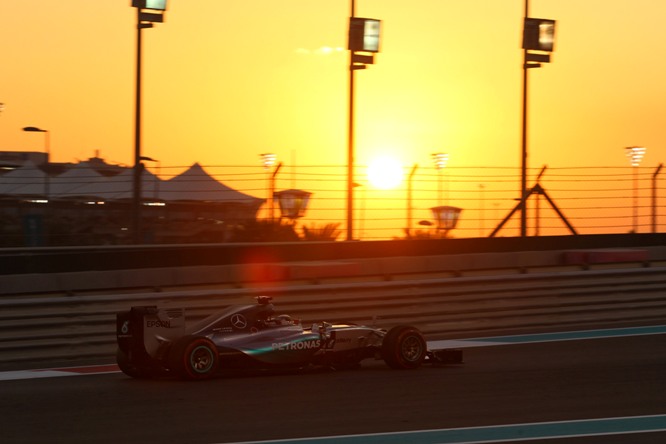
{"x": 242, "y": 274}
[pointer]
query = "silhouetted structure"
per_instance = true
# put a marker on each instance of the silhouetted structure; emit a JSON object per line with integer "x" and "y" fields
{"x": 91, "y": 202}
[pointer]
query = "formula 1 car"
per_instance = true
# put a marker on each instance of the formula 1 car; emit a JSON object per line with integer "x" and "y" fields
{"x": 156, "y": 342}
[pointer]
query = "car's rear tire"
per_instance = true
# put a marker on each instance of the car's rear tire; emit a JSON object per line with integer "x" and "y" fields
{"x": 126, "y": 366}
{"x": 194, "y": 358}
{"x": 404, "y": 347}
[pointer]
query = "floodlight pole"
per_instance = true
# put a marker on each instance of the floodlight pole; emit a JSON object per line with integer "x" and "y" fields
{"x": 635, "y": 155}
{"x": 440, "y": 160}
{"x": 47, "y": 150}
{"x": 136, "y": 189}
{"x": 409, "y": 200}
{"x": 358, "y": 31}
{"x": 538, "y": 39}
{"x": 654, "y": 197}
{"x": 635, "y": 219}
{"x": 523, "y": 157}
{"x": 143, "y": 20}
{"x": 350, "y": 144}
{"x": 272, "y": 192}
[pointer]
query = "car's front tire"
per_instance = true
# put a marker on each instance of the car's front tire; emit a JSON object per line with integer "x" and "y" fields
{"x": 404, "y": 347}
{"x": 194, "y": 358}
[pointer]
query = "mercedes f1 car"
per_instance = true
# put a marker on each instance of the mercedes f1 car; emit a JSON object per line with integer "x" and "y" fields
{"x": 155, "y": 342}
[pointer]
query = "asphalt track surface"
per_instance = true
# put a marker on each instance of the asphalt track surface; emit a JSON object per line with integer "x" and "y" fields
{"x": 556, "y": 382}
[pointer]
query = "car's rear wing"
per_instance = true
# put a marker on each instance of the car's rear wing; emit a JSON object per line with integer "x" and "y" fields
{"x": 142, "y": 329}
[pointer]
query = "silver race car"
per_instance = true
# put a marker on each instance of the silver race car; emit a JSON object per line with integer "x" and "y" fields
{"x": 155, "y": 342}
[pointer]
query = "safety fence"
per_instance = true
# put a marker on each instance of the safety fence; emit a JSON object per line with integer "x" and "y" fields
{"x": 592, "y": 200}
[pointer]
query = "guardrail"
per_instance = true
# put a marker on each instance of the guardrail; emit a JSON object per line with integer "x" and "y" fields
{"x": 50, "y": 328}
{"x": 253, "y": 273}
{"x": 17, "y": 261}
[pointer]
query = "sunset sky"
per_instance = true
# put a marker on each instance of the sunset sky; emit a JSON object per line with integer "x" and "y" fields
{"x": 226, "y": 80}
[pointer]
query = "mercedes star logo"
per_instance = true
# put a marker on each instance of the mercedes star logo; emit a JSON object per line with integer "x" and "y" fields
{"x": 239, "y": 321}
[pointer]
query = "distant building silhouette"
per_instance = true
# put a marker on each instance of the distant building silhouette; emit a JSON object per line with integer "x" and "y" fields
{"x": 90, "y": 203}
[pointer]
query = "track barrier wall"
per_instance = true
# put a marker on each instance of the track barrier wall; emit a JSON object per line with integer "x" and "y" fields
{"x": 69, "y": 316}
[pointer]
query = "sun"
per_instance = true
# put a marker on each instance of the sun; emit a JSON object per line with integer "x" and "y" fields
{"x": 385, "y": 173}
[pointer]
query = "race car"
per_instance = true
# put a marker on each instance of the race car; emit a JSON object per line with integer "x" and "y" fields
{"x": 155, "y": 342}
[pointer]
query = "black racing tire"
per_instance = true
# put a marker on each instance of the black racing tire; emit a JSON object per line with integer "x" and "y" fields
{"x": 404, "y": 348}
{"x": 126, "y": 366}
{"x": 194, "y": 358}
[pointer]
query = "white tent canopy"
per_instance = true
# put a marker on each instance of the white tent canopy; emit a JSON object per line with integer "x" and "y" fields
{"x": 28, "y": 180}
{"x": 195, "y": 184}
{"x": 121, "y": 186}
{"x": 84, "y": 181}
{"x": 78, "y": 181}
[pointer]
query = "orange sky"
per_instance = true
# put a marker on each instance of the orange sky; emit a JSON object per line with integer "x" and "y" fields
{"x": 226, "y": 80}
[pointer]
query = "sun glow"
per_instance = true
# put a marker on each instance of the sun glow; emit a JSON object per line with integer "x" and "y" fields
{"x": 385, "y": 173}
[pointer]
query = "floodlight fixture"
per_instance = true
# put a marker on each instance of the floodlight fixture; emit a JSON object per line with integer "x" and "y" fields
{"x": 539, "y": 34}
{"x": 635, "y": 154}
{"x": 440, "y": 160}
{"x": 268, "y": 160}
{"x": 364, "y": 34}
{"x": 156, "y": 5}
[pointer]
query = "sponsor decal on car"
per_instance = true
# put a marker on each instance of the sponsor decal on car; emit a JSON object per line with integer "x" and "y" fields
{"x": 302, "y": 345}
{"x": 156, "y": 323}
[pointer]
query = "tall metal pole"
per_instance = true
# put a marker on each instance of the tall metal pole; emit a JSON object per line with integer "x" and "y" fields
{"x": 440, "y": 160}
{"x": 635, "y": 223}
{"x": 271, "y": 192}
{"x": 523, "y": 167}
{"x": 47, "y": 151}
{"x": 47, "y": 177}
{"x": 350, "y": 145}
{"x": 654, "y": 197}
{"x": 439, "y": 187}
{"x": 635, "y": 155}
{"x": 537, "y": 190}
{"x": 409, "y": 200}
{"x": 136, "y": 195}
{"x": 481, "y": 210}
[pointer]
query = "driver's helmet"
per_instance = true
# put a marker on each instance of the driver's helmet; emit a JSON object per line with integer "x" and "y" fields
{"x": 282, "y": 320}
